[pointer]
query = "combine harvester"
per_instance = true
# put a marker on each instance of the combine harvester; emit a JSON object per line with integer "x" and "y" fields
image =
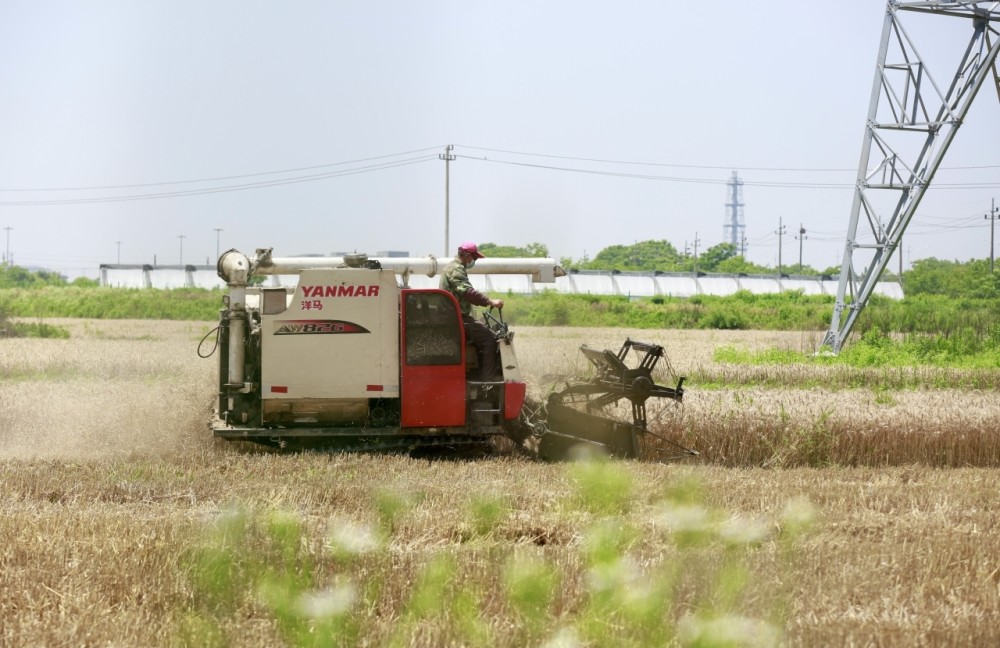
{"x": 353, "y": 359}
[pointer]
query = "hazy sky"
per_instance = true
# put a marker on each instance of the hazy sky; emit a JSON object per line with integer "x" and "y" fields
{"x": 262, "y": 118}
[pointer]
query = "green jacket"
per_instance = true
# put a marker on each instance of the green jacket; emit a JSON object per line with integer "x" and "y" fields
{"x": 455, "y": 279}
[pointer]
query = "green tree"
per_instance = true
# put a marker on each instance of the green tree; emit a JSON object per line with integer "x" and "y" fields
{"x": 804, "y": 269}
{"x": 981, "y": 282}
{"x": 935, "y": 277}
{"x": 513, "y": 251}
{"x": 12, "y": 276}
{"x": 710, "y": 259}
{"x": 971, "y": 279}
{"x": 640, "y": 256}
{"x": 738, "y": 264}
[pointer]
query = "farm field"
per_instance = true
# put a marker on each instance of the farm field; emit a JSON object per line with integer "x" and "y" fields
{"x": 827, "y": 508}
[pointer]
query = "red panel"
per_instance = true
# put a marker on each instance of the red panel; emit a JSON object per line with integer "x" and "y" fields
{"x": 432, "y": 395}
{"x": 513, "y": 396}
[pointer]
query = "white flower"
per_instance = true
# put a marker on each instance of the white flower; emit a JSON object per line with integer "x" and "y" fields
{"x": 799, "y": 514}
{"x": 607, "y": 576}
{"x": 330, "y": 602}
{"x": 351, "y": 538}
{"x": 565, "y": 638}
{"x": 730, "y": 630}
{"x": 741, "y": 531}
{"x": 684, "y": 518}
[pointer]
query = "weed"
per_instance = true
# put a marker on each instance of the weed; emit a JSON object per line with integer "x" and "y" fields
{"x": 262, "y": 560}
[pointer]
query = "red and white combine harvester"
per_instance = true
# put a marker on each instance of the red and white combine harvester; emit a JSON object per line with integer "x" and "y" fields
{"x": 353, "y": 359}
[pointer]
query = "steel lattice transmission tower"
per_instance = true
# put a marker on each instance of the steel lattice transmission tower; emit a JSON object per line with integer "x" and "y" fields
{"x": 734, "y": 226}
{"x": 913, "y": 116}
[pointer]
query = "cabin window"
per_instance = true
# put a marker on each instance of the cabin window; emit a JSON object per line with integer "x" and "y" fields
{"x": 433, "y": 336}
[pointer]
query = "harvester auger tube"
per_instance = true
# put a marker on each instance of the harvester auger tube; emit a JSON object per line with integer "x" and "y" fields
{"x": 569, "y": 420}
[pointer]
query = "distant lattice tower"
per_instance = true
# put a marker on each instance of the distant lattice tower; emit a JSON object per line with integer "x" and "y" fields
{"x": 734, "y": 227}
{"x": 915, "y": 110}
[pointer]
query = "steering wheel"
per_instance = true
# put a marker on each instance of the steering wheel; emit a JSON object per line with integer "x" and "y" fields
{"x": 495, "y": 322}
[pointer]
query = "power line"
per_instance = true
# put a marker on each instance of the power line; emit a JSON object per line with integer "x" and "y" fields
{"x": 760, "y": 240}
{"x": 712, "y": 181}
{"x": 415, "y": 160}
{"x": 222, "y": 189}
{"x": 221, "y": 178}
{"x": 694, "y": 166}
{"x": 642, "y": 176}
{"x": 935, "y": 229}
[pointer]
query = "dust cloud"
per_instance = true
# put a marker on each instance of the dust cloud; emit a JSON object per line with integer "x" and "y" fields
{"x": 91, "y": 421}
{"x": 114, "y": 390}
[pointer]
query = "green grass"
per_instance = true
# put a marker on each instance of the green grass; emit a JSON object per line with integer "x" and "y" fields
{"x": 31, "y": 329}
{"x": 38, "y": 330}
{"x": 744, "y": 310}
{"x": 963, "y": 349}
{"x": 930, "y": 314}
{"x": 112, "y": 303}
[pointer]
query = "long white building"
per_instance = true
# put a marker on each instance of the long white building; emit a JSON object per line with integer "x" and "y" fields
{"x": 592, "y": 282}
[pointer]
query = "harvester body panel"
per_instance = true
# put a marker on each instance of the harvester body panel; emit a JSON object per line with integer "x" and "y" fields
{"x": 334, "y": 347}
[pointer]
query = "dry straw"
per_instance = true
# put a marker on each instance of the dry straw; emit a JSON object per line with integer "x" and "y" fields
{"x": 110, "y": 480}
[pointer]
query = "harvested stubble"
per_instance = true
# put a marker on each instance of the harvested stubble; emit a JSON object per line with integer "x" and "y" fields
{"x": 99, "y": 552}
{"x": 109, "y": 480}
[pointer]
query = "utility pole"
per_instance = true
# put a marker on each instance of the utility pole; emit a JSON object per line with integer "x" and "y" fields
{"x": 735, "y": 225}
{"x": 696, "y": 242}
{"x": 119, "y": 244}
{"x": 781, "y": 233}
{"x": 218, "y": 232}
{"x": 447, "y": 156}
{"x": 6, "y": 257}
{"x": 181, "y": 237}
{"x": 992, "y": 216}
{"x": 801, "y": 237}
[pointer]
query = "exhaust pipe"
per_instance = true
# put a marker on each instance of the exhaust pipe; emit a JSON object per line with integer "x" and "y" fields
{"x": 234, "y": 268}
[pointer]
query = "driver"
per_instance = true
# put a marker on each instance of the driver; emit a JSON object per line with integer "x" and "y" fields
{"x": 455, "y": 279}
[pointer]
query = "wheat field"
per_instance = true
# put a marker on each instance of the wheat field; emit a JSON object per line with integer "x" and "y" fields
{"x": 112, "y": 486}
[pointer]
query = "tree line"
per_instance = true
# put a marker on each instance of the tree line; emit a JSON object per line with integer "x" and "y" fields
{"x": 661, "y": 255}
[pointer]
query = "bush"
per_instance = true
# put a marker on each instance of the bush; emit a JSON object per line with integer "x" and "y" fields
{"x": 40, "y": 330}
{"x": 724, "y": 317}
{"x": 30, "y": 329}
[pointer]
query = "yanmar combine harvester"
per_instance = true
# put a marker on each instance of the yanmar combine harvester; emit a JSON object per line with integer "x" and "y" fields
{"x": 354, "y": 359}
